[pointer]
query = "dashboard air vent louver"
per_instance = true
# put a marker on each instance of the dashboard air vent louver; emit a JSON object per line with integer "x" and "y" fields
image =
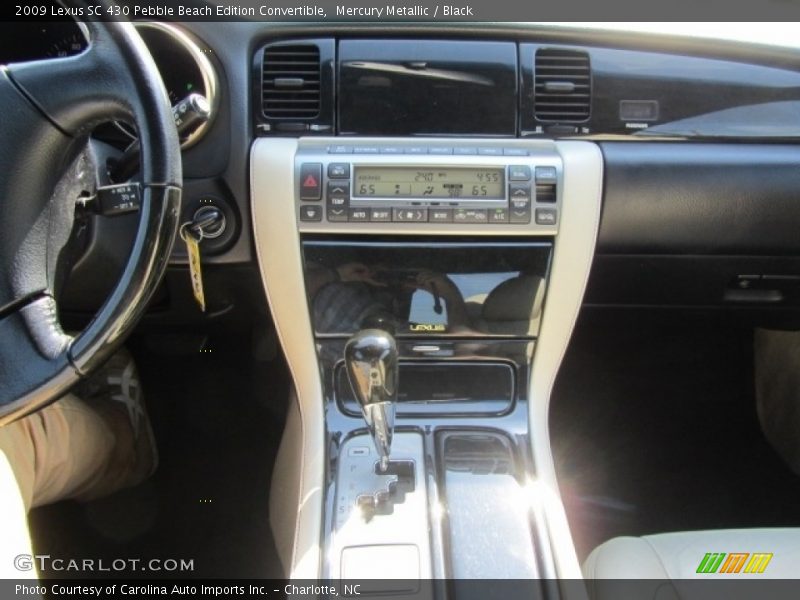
{"x": 563, "y": 84}
{"x": 291, "y": 81}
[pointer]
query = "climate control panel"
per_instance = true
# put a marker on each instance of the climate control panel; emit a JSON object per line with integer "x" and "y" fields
{"x": 390, "y": 186}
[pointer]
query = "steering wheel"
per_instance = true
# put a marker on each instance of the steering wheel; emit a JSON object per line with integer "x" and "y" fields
{"x": 49, "y": 108}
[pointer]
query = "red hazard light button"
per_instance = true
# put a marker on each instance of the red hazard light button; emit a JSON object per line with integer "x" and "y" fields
{"x": 311, "y": 181}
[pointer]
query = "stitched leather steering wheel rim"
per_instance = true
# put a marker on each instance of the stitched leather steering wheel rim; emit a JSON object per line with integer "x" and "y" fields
{"x": 49, "y": 107}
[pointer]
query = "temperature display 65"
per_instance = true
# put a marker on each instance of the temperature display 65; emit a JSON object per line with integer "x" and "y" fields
{"x": 412, "y": 182}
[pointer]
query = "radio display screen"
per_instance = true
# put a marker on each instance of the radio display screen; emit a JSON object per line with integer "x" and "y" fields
{"x": 413, "y": 182}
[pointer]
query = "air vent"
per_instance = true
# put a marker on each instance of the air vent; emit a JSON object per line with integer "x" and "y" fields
{"x": 291, "y": 82}
{"x": 563, "y": 86}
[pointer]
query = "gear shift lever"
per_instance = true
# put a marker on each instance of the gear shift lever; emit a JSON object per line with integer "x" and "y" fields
{"x": 372, "y": 367}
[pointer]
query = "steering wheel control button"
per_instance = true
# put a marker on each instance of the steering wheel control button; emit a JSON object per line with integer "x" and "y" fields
{"x": 440, "y": 215}
{"x": 498, "y": 215}
{"x": 546, "y": 175}
{"x": 115, "y": 200}
{"x": 311, "y": 181}
{"x": 410, "y": 215}
{"x": 310, "y": 212}
{"x": 519, "y": 173}
{"x": 380, "y": 215}
{"x": 546, "y": 216}
{"x": 339, "y": 171}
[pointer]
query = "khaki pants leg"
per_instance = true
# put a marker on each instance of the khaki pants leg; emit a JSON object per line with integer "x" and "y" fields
{"x": 59, "y": 452}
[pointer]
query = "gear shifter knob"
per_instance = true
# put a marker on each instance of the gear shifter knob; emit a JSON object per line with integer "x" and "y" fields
{"x": 372, "y": 367}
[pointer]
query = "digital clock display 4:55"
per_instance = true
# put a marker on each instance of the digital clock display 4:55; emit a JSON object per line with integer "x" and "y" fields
{"x": 424, "y": 182}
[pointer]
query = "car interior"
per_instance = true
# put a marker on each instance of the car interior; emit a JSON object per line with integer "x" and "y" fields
{"x": 414, "y": 301}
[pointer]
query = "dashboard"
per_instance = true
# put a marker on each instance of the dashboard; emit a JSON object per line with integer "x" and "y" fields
{"x": 518, "y": 88}
{"x": 461, "y": 183}
{"x": 469, "y": 186}
{"x": 699, "y": 138}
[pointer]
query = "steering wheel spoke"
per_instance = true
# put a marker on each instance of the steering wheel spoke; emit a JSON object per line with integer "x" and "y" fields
{"x": 33, "y": 350}
{"x": 79, "y": 92}
{"x": 110, "y": 81}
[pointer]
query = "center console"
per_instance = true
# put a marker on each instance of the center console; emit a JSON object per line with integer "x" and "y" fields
{"x": 432, "y": 337}
{"x": 424, "y": 291}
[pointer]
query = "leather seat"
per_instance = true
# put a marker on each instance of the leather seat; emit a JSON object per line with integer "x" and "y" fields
{"x": 679, "y": 555}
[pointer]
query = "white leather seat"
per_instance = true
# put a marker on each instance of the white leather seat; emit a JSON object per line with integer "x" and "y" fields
{"x": 678, "y": 555}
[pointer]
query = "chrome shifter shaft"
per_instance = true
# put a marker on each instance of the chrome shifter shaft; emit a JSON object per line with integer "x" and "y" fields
{"x": 372, "y": 367}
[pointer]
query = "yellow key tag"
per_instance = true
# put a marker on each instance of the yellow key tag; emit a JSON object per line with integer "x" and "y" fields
{"x": 196, "y": 275}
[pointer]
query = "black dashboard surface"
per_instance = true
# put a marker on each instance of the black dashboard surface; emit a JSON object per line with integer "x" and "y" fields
{"x": 428, "y": 86}
{"x": 699, "y": 137}
{"x": 722, "y": 199}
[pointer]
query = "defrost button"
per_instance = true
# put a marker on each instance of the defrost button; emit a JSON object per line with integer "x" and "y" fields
{"x": 311, "y": 213}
